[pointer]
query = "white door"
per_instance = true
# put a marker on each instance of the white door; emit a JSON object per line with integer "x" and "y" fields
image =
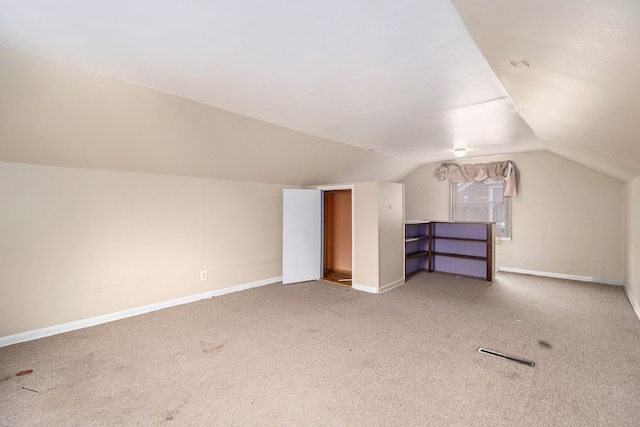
{"x": 302, "y": 236}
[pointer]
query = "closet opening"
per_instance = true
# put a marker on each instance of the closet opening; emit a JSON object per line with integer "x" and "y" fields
{"x": 337, "y": 237}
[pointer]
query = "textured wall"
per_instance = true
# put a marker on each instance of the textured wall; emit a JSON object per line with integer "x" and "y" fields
{"x": 55, "y": 114}
{"x": 632, "y": 240}
{"x": 391, "y": 232}
{"x": 78, "y": 243}
{"x": 567, "y": 219}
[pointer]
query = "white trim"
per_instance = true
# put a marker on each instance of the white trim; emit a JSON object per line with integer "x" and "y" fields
{"x": 335, "y": 187}
{"x": 392, "y": 285}
{"x": 84, "y": 323}
{"x": 364, "y": 288}
{"x": 633, "y": 302}
{"x": 352, "y": 188}
{"x": 453, "y": 187}
{"x": 562, "y": 276}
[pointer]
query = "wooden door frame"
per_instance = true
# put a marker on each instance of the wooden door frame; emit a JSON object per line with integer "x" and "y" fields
{"x": 324, "y": 188}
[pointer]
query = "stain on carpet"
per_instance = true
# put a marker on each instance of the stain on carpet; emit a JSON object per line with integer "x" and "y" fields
{"x": 510, "y": 375}
{"x": 545, "y": 344}
{"x": 173, "y": 413}
{"x": 211, "y": 350}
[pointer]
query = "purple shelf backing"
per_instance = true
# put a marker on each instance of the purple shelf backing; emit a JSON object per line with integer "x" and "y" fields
{"x": 416, "y": 230}
{"x": 466, "y": 267}
{"x": 416, "y": 264}
{"x": 460, "y": 247}
{"x": 465, "y": 248}
{"x": 416, "y": 246}
{"x": 460, "y": 230}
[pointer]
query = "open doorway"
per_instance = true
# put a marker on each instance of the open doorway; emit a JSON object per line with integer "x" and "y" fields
{"x": 337, "y": 238}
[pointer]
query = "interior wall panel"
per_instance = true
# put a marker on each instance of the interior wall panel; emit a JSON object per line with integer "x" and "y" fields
{"x": 79, "y": 243}
{"x": 567, "y": 219}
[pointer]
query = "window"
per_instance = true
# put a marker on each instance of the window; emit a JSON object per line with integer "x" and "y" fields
{"x": 482, "y": 202}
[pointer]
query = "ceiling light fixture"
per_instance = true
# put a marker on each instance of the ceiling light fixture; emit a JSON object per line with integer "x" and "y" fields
{"x": 459, "y": 152}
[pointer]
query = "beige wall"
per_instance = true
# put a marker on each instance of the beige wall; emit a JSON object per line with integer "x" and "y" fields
{"x": 52, "y": 113}
{"x": 113, "y": 220}
{"x": 78, "y": 243}
{"x": 632, "y": 240}
{"x": 425, "y": 197}
{"x": 391, "y": 233}
{"x": 378, "y": 234}
{"x": 365, "y": 235}
{"x": 567, "y": 219}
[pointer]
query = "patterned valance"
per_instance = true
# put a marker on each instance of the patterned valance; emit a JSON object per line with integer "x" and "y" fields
{"x": 479, "y": 172}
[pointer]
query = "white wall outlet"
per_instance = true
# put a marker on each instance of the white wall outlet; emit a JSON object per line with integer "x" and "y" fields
{"x": 203, "y": 275}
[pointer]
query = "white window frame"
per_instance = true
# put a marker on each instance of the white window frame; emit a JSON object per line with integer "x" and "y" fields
{"x": 508, "y": 214}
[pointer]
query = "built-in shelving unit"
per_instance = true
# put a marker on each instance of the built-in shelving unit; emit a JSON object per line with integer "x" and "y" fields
{"x": 417, "y": 242}
{"x": 465, "y": 248}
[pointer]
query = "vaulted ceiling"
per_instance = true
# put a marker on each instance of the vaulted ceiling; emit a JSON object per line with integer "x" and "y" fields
{"x": 411, "y": 80}
{"x": 580, "y": 92}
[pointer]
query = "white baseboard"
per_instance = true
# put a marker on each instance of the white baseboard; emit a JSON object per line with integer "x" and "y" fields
{"x": 364, "y": 288}
{"x": 79, "y": 324}
{"x": 562, "y": 276}
{"x": 392, "y": 285}
{"x": 633, "y": 302}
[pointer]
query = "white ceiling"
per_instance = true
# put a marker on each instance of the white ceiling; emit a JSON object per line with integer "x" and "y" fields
{"x": 400, "y": 77}
{"x": 581, "y": 91}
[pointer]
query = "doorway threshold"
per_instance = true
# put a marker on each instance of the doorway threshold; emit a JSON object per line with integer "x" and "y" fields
{"x": 341, "y": 278}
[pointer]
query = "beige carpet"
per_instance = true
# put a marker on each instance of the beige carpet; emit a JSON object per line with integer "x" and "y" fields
{"x": 320, "y": 354}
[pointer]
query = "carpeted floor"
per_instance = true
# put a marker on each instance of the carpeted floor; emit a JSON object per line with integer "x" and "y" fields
{"x": 321, "y": 354}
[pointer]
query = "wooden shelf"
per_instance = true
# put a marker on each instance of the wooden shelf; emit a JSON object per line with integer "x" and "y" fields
{"x": 479, "y": 258}
{"x": 474, "y": 238}
{"x": 416, "y": 254}
{"x": 463, "y": 239}
{"x": 415, "y": 239}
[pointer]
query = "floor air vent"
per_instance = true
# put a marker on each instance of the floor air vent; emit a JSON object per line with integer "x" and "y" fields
{"x": 506, "y": 357}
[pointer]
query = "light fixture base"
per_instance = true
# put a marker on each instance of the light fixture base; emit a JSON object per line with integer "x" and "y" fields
{"x": 459, "y": 152}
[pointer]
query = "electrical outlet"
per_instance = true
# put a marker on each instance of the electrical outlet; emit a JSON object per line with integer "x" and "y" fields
{"x": 203, "y": 275}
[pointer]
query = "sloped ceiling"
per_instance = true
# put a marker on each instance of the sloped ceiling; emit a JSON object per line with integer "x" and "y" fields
{"x": 403, "y": 79}
{"x": 580, "y": 91}
{"x": 53, "y": 113}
